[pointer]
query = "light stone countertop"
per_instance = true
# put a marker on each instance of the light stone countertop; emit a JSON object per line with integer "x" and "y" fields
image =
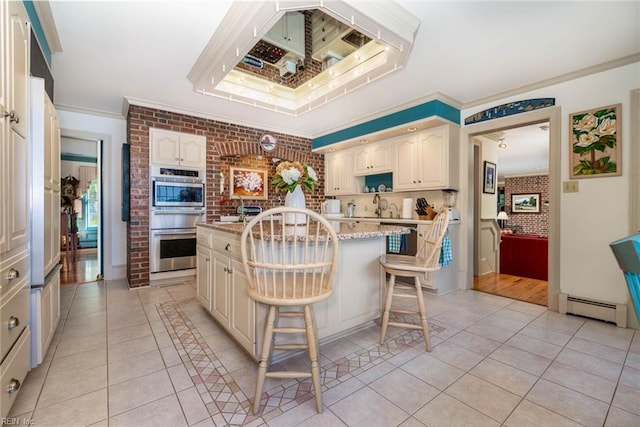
{"x": 346, "y": 230}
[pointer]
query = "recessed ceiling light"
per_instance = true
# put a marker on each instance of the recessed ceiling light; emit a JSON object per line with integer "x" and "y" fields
{"x": 364, "y": 141}
{"x": 412, "y": 129}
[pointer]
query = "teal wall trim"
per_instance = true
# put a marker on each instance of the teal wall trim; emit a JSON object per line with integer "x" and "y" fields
{"x": 77, "y": 158}
{"x": 37, "y": 29}
{"x": 428, "y": 109}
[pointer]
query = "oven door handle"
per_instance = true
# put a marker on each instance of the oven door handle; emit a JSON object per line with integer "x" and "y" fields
{"x": 164, "y": 233}
{"x": 165, "y": 212}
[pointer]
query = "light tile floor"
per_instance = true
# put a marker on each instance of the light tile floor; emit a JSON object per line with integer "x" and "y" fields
{"x": 154, "y": 357}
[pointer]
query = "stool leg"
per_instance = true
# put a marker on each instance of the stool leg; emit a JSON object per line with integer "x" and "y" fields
{"x": 423, "y": 316}
{"x": 313, "y": 354}
{"x": 387, "y": 307}
{"x": 264, "y": 357}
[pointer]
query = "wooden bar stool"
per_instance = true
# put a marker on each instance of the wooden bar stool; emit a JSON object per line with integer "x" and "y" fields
{"x": 427, "y": 260}
{"x": 289, "y": 266}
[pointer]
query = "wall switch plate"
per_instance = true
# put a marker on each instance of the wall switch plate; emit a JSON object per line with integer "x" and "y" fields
{"x": 570, "y": 187}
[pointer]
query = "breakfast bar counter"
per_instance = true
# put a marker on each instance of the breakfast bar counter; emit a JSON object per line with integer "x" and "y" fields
{"x": 345, "y": 230}
{"x": 358, "y": 284}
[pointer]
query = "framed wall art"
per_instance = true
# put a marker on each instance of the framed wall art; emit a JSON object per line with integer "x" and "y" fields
{"x": 595, "y": 137}
{"x": 525, "y": 203}
{"x": 250, "y": 184}
{"x": 489, "y": 178}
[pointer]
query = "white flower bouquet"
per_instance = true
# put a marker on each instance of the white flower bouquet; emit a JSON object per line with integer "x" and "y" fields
{"x": 291, "y": 174}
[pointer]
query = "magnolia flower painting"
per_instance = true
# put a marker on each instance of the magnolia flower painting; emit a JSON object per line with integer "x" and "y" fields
{"x": 595, "y": 142}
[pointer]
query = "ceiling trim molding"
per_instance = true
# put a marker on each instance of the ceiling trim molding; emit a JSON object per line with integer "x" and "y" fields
{"x": 43, "y": 10}
{"x": 88, "y": 111}
{"x": 620, "y": 62}
{"x": 542, "y": 172}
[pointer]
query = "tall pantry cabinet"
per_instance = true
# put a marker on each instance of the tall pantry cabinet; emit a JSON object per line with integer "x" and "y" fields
{"x": 45, "y": 220}
{"x": 15, "y": 335}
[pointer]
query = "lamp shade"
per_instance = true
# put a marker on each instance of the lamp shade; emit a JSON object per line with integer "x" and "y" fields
{"x": 502, "y": 215}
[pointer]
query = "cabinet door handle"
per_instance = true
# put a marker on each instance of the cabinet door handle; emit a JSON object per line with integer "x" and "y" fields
{"x": 13, "y": 322}
{"x": 13, "y": 274}
{"x": 14, "y": 385}
{"x": 12, "y": 117}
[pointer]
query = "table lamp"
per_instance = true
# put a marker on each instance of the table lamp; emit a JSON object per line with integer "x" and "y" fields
{"x": 502, "y": 218}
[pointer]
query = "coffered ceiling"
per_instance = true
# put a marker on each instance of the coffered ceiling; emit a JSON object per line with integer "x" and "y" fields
{"x": 142, "y": 52}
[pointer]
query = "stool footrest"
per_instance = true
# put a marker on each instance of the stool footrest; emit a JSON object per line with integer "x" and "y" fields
{"x": 405, "y": 325}
{"x": 289, "y": 330}
{"x": 288, "y": 374}
{"x": 290, "y": 347}
{"x": 405, "y": 296}
{"x": 404, "y": 287}
{"x": 404, "y": 311}
{"x": 290, "y": 314}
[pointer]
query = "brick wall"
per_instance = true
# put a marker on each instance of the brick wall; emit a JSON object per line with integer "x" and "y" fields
{"x": 227, "y": 145}
{"x": 528, "y": 223}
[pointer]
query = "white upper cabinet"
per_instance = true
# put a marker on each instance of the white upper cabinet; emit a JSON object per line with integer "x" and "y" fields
{"x": 178, "y": 149}
{"x": 338, "y": 175}
{"x": 422, "y": 161}
{"x": 288, "y": 33}
{"x": 14, "y": 160}
{"x": 18, "y": 58}
{"x": 373, "y": 158}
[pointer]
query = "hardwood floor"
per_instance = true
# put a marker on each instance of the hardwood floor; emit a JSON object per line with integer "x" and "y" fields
{"x": 519, "y": 288}
{"x": 84, "y": 269}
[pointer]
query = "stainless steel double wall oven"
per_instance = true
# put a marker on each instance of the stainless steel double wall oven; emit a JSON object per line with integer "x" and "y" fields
{"x": 177, "y": 205}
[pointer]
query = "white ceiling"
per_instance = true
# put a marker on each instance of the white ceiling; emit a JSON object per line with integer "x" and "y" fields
{"x": 527, "y": 150}
{"x": 466, "y": 50}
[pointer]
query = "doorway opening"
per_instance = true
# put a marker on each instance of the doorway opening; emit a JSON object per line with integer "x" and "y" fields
{"x": 81, "y": 216}
{"x": 528, "y": 201}
{"x": 513, "y": 238}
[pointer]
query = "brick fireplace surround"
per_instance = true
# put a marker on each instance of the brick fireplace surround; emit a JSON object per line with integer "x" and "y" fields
{"x": 227, "y": 145}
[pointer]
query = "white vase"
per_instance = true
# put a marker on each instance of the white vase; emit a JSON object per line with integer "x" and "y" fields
{"x": 295, "y": 199}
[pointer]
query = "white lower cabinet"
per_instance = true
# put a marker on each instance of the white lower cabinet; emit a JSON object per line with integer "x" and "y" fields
{"x": 45, "y": 316}
{"x": 222, "y": 286}
{"x": 243, "y": 314}
{"x": 13, "y": 370}
{"x": 203, "y": 276}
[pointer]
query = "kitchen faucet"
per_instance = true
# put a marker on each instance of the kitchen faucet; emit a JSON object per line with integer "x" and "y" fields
{"x": 391, "y": 212}
{"x": 376, "y": 201}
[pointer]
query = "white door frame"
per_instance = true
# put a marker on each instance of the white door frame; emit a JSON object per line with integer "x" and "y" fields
{"x": 553, "y": 116}
{"x": 103, "y": 258}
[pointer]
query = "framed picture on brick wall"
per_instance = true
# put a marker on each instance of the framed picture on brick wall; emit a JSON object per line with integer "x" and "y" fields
{"x": 250, "y": 184}
{"x": 525, "y": 203}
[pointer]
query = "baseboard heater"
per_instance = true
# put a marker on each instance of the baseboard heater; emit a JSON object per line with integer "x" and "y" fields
{"x": 600, "y": 310}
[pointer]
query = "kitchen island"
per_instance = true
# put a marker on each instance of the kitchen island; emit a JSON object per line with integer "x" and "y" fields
{"x": 358, "y": 283}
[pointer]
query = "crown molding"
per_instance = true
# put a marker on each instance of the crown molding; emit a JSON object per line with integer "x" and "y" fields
{"x": 43, "y": 9}
{"x": 620, "y": 62}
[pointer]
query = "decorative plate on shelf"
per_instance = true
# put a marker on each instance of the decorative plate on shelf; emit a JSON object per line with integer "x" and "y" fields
{"x": 382, "y": 188}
